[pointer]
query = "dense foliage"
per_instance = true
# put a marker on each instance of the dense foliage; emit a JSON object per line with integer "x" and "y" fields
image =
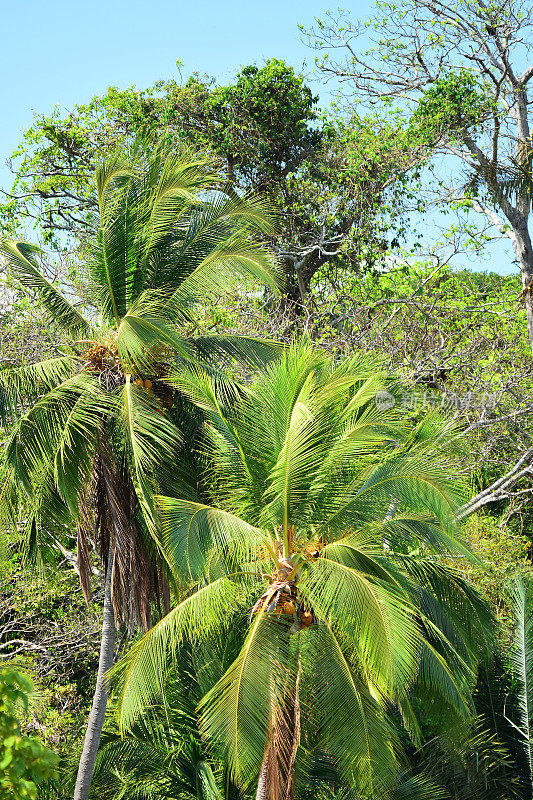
{"x": 24, "y": 761}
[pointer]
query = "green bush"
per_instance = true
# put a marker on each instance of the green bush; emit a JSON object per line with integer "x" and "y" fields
{"x": 24, "y": 761}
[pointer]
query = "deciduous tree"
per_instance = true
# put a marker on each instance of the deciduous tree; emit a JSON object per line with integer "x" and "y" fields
{"x": 461, "y": 73}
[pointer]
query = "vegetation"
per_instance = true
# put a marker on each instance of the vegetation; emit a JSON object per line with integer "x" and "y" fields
{"x": 24, "y": 761}
{"x": 335, "y": 185}
{"x": 265, "y": 475}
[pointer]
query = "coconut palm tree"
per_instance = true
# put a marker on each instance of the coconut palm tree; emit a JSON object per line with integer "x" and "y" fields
{"x": 96, "y": 428}
{"x": 328, "y": 514}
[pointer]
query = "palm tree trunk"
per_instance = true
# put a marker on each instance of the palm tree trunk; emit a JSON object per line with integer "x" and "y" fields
{"x": 98, "y": 708}
{"x": 261, "y": 793}
{"x": 276, "y": 778}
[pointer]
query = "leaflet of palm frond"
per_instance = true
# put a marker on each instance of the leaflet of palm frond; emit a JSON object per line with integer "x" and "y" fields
{"x": 461, "y": 641}
{"x": 246, "y": 350}
{"x": 459, "y": 658}
{"x": 406, "y": 529}
{"x": 410, "y": 720}
{"x": 59, "y": 431}
{"x": 286, "y": 493}
{"x": 180, "y": 238}
{"x": 174, "y": 196}
{"x": 449, "y": 691}
{"x": 361, "y": 437}
{"x": 495, "y": 700}
{"x": 362, "y": 550}
{"x": 455, "y": 607}
{"x": 142, "y": 338}
{"x": 212, "y": 656}
{"x": 24, "y": 384}
{"x": 9, "y": 503}
{"x": 207, "y": 388}
{"x": 77, "y": 444}
{"x": 352, "y": 725}
{"x": 149, "y": 442}
{"x": 220, "y": 401}
{"x": 163, "y": 749}
{"x": 417, "y": 787}
{"x": 378, "y": 617}
{"x": 471, "y": 763}
{"x": 19, "y": 257}
{"x": 287, "y": 382}
{"x": 37, "y": 544}
{"x": 236, "y": 713}
{"x": 112, "y": 173}
{"x": 319, "y": 770}
{"x": 53, "y": 521}
{"x": 228, "y": 266}
{"x": 220, "y": 233}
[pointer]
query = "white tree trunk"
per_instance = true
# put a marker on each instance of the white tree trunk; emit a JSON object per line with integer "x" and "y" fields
{"x": 524, "y": 253}
{"x": 98, "y": 708}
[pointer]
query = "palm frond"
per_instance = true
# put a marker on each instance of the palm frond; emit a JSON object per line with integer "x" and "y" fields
{"x": 237, "y": 712}
{"x": 28, "y": 381}
{"x": 227, "y": 264}
{"x": 38, "y": 435}
{"x": 138, "y": 675}
{"x": 246, "y": 350}
{"x": 522, "y": 655}
{"x": 140, "y": 337}
{"x": 352, "y": 725}
{"x": 151, "y": 441}
{"x": 378, "y": 617}
{"x": 290, "y": 475}
{"x": 191, "y": 530}
{"x": 411, "y": 481}
{"x": 442, "y": 682}
{"x": 19, "y": 257}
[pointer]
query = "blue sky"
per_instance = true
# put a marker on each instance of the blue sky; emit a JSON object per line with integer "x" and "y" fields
{"x": 54, "y": 51}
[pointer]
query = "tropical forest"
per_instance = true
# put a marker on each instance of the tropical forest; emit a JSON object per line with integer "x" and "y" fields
{"x": 266, "y": 401}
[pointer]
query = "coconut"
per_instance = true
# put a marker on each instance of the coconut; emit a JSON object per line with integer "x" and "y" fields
{"x": 306, "y": 619}
{"x": 289, "y": 608}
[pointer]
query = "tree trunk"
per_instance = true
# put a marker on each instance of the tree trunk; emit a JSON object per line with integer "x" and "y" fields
{"x": 98, "y": 708}
{"x": 261, "y": 793}
{"x": 276, "y": 778}
{"x": 524, "y": 253}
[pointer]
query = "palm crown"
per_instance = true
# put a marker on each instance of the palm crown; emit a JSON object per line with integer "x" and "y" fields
{"x": 325, "y": 519}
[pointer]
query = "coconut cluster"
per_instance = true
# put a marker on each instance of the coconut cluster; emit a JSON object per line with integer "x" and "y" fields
{"x": 101, "y": 355}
